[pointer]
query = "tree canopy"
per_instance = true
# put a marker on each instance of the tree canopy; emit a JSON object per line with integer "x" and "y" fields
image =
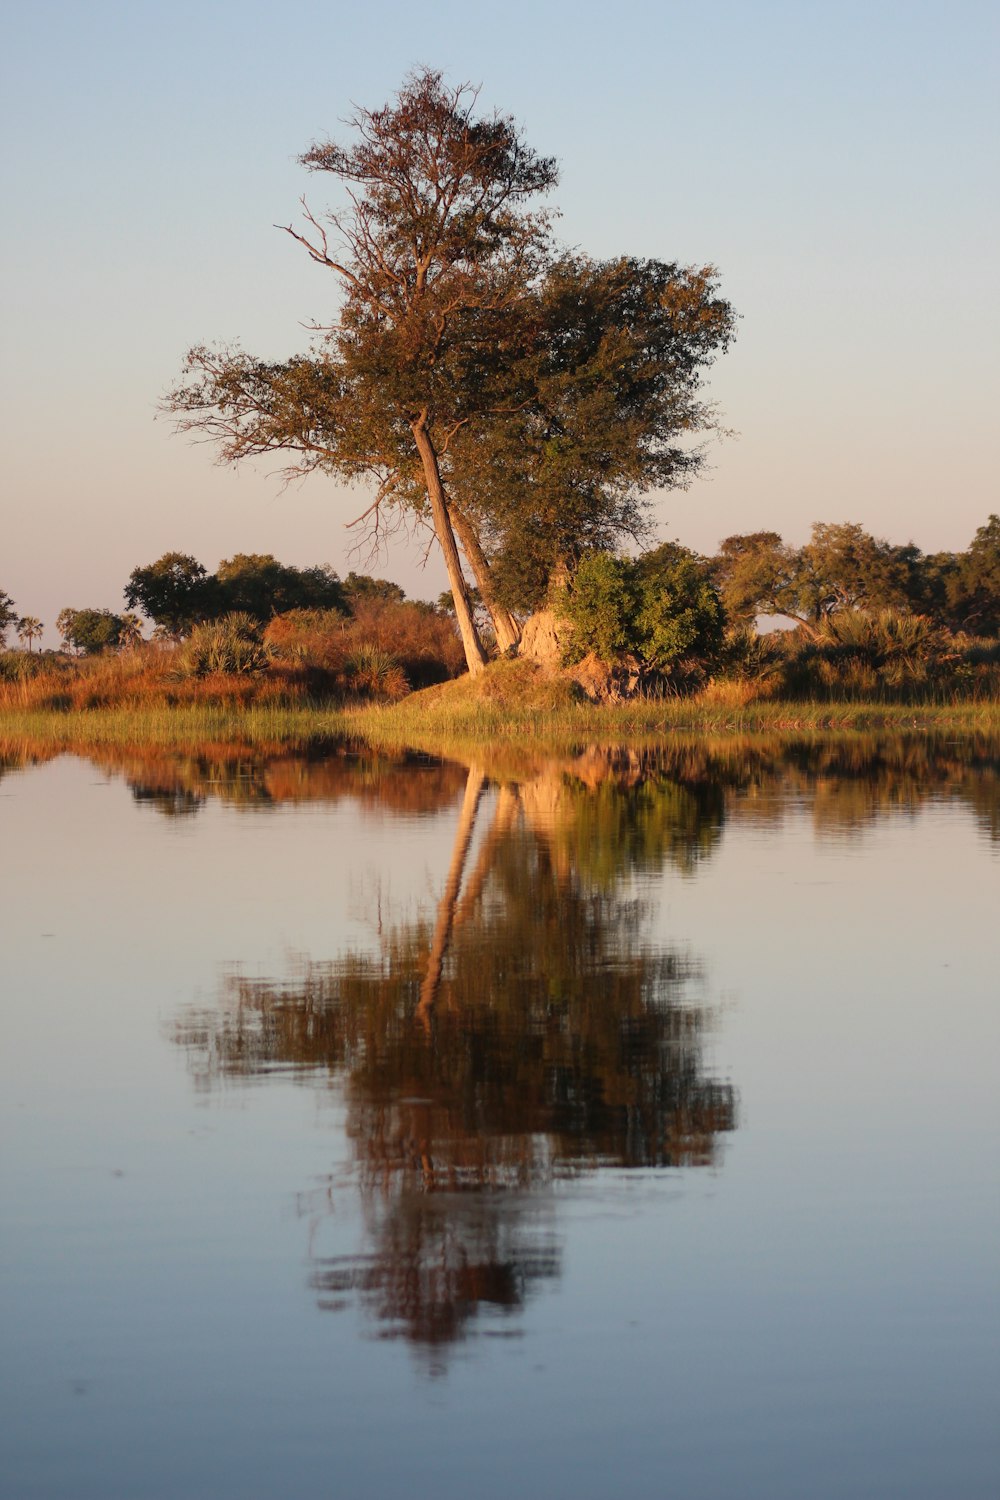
{"x": 175, "y": 592}
{"x": 841, "y": 567}
{"x": 257, "y": 584}
{"x": 8, "y": 614}
{"x": 521, "y": 399}
{"x": 90, "y": 630}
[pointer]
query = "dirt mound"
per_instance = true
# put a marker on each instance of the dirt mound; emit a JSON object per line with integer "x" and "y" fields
{"x": 542, "y": 640}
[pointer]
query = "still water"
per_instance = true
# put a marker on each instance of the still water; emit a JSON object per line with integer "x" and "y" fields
{"x": 622, "y": 1124}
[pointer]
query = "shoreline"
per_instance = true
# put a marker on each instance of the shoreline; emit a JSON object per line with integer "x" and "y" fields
{"x": 432, "y": 720}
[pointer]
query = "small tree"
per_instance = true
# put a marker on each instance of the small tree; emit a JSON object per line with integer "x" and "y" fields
{"x": 89, "y": 631}
{"x": 130, "y": 635}
{"x": 8, "y": 615}
{"x": 29, "y": 628}
{"x": 361, "y": 586}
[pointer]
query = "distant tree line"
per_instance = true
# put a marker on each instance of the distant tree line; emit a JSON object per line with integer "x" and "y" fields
{"x": 663, "y": 608}
{"x": 843, "y": 567}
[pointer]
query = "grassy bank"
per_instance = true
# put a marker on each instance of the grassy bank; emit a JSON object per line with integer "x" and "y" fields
{"x": 508, "y": 705}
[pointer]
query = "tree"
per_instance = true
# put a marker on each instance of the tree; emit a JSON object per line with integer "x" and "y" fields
{"x": 973, "y": 590}
{"x": 841, "y": 567}
{"x": 130, "y": 634}
{"x": 432, "y": 258}
{"x": 175, "y": 592}
{"x": 610, "y": 397}
{"x": 361, "y": 586}
{"x": 8, "y": 615}
{"x": 257, "y": 584}
{"x": 29, "y": 628}
{"x": 89, "y": 631}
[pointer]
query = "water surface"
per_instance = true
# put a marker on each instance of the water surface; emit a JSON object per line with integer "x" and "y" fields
{"x": 623, "y": 1123}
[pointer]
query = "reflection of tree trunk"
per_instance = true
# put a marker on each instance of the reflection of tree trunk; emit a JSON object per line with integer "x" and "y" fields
{"x": 474, "y": 654}
{"x": 446, "y": 907}
{"x": 506, "y": 810}
{"x": 508, "y": 631}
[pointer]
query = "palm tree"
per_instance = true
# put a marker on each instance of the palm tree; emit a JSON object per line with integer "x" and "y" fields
{"x": 28, "y": 629}
{"x": 131, "y": 632}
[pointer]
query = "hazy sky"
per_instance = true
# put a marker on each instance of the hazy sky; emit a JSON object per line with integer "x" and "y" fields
{"x": 837, "y": 161}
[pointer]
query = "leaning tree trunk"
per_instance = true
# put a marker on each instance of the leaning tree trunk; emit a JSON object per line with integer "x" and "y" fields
{"x": 474, "y": 654}
{"x": 508, "y": 632}
{"x": 447, "y": 906}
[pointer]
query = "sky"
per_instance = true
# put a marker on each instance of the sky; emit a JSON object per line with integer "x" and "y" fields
{"x": 838, "y": 163}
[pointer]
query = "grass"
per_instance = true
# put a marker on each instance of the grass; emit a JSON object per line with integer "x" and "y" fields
{"x": 509, "y": 705}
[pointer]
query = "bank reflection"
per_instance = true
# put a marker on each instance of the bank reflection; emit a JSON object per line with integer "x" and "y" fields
{"x": 845, "y": 782}
{"x": 522, "y": 1035}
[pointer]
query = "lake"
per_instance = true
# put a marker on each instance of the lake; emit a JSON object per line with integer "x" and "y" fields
{"x": 625, "y": 1123}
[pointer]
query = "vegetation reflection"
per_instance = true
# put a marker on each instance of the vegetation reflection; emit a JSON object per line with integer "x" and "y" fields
{"x": 525, "y": 1034}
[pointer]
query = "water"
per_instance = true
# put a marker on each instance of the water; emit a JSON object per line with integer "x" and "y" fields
{"x": 621, "y": 1124}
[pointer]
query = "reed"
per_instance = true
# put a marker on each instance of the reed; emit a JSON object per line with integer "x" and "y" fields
{"x": 437, "y": 719}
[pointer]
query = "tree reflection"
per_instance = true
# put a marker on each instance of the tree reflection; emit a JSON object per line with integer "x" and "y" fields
{"x": 526, "y": 1034}
{"x": 667, "y": 801}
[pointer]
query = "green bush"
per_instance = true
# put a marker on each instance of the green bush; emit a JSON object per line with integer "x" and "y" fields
{"x": 233, "y": 645}
{"x": 661, "y": 610}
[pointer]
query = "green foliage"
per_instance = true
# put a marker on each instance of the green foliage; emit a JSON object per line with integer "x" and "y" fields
{"x": 662, "y": 610}
{"x": 680, "y": 614}
{"x": 90, "y": 630}
{"x": 8, "y": 614}
{"x": 973, "y": 588}
{"x": 746, "y": 656}
{"x": 601, "y": 606}
{"x": 610, "y": 380}
{"x": 233, "y": 644}
{"x": 375, "y": 672}
{"x": 361, "y": 586}
{"x": 886, "y": 656}
{"x": 18, "y": 666}
{"x": 175, "y": 592}
{"x": 257, "y": 584}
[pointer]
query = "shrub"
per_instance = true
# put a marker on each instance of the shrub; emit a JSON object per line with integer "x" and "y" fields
{"x": 662, "y": 611}
{"x": 232, "y": 645}
{"x": 375, "y": 673}
{"x": 422, "y": 640}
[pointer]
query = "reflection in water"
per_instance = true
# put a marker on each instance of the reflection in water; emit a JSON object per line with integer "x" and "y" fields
{"x": 678, "y": 792}
{"x": 526, "y": 1032}
{"x": 525, "y": 1035}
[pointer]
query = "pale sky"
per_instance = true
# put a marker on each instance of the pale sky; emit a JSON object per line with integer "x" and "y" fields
{"x": 838, "y": 162}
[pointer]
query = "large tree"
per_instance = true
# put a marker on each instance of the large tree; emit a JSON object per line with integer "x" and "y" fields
{"x": 611, "y": 400}
{"x": 432, "y": 256}
{"x": 524, "y": 401}
{"x": 257, "y": 584}
{"x": 175, "y": 592}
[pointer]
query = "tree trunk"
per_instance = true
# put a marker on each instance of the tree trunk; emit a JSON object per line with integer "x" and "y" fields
{"x": 447, "y": 905}
{"x": 474, "y": 654}
{"x": 508, "y": 632}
